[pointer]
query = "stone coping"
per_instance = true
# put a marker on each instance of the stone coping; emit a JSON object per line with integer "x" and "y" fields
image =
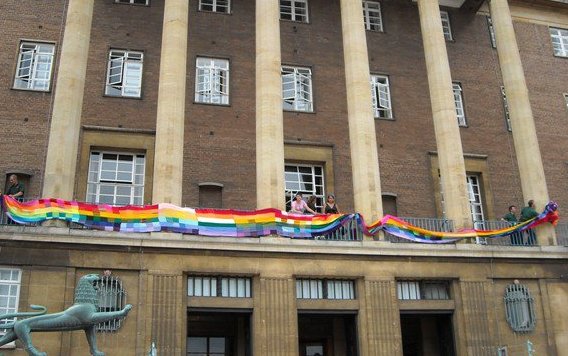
{"x": 273, "y": 244}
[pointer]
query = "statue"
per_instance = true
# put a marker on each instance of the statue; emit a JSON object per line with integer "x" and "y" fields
{"x": 82, "y": 315}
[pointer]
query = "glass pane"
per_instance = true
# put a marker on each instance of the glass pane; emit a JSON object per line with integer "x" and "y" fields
{"x": 217, "y": 344}
{"x": 197, "y": 344}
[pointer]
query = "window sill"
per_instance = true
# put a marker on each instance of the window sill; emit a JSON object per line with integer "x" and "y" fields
{"x": 295, "y": 21}
{"x": 211, "y": 104}
{"x": 31, "y": 90}
{"x": 385, "y": 118}
{"x": 214, "y": 12}
{"x": 298, "y": 112}
{"x": 122, "y": 97}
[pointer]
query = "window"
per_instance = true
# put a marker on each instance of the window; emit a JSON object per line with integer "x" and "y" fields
{"x": 212, "y": 81}
{"x": 446, "y": 25}
{"x": 372, "y": 16}
{"x": 559, "y": 41}
{"x": 325, "y": 289}
{"x": 458, "y": 100}
{"x": 116, "y": 178}
{"x": 519, "y": 308}
{"x": 206, "y": 346}
{"x": 135, "y": 2}
{"x": 124, "y": 75}
{"x": 112, "y": 297}
{"x": 35, "y": 61}
{"x": 423, "y": 290}
{"x": 566, "y": 100}
{"x": 211, "y": 195}
{"x": 475, "y": 201}
{"x": 294, "y": 10}
{"x": 228, "y": 287}
{"x": 491, "y": 32}
{"x": 10, "y": 279}
{"x": 297, "y": 89}
{"x": 506, "y": 108}
{"x": 305, "y": 179}
{"x": 380, "y": 93}
{"x": 223, "y": 6}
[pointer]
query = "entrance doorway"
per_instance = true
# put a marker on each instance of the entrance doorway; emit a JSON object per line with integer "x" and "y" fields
{"x": 427, "y": 335}
{"x": 218, "y": 334}
{"x": 327, "y": 335}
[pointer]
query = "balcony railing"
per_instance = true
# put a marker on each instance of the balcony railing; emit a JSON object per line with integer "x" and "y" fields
{"x": 441, "y": 225}
{"x": 5, "y": 220}
{"x": 348, "y": 232}
{"x": 516, "y": 239}
{"x": 562, "y": 234}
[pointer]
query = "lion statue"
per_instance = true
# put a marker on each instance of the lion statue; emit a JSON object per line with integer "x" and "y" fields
{"x": 82, "y": 315}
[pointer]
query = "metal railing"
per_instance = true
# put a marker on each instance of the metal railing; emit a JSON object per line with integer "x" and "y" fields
{"x": 525, "y": 238}
{"x": 562, "y": 234}
{"x": 433, "y": 224}
{"x": 348, "y": 232}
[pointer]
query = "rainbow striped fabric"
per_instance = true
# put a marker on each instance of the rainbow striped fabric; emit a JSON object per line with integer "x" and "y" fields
{"x": 237, "y": 223}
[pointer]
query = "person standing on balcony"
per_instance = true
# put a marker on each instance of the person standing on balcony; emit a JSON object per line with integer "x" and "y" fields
{"x": 312, "y": 202}
{"x": 330, "y": 206}
{"x": 527, "y": 213}
{"x": 511, "y": 218}
{"x": 299, "y": 206}
{"x": 15, "y": 189}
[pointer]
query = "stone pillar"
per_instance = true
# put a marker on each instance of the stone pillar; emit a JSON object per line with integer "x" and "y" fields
{"x": 474, "y": 314}
{"x": 269, "y": 117}
{"x": 61, "y": 160}
{"x": 448, "y": 141}
{"x": 533, "y": 180}
{"x": 379, "y": 318}
{"x": 168, "y": 161}
{"x": 168, "y": 313}
{"x": 275, "y": 317}
{"x": 362, "y": 132}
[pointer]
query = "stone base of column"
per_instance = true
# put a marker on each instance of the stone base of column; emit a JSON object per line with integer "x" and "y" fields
{"x": 55, "y": 223}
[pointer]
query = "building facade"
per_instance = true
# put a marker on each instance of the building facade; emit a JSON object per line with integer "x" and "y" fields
{"x": 242, "y": 104}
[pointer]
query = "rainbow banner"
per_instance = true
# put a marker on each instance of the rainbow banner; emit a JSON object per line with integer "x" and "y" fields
{"x": 238, "y": 223}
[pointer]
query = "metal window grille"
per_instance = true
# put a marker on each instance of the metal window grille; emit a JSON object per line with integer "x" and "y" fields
{"x": 35, "y": 61}
{"x": 297, "y": 89}
{"x": 423, "y": 290}
{"x": 458, "y": 100}
{"x": 112, "y": 297}
{"x": 223, "y": 6}
{"x": 227, "y": 287}
{"x": 380, "y": 92}
{"x": 10, "y": 279}
{"x": 519, "y": 308}
{"x": 294, "y": 10}
{"x": 305, "y": 179}
{"x": 559, "y": 39}
{"x": 116, "y": 178}
{"x": 212, "y": 81}
{"x": 491, "y": 32}
{"x": 325, "y": 289}
{"x": 135, "y": 2}
{"x": 506, "y": 108}
{"x": 124, "y": 73}
{"x": 446, "y": 27}
{"x": 372, "y": 15}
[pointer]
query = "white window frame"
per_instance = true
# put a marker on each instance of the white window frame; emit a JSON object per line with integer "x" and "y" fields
{"x": 12, "y": 298}
{"x": 297, "y": 89}
{"x": 446, "y": 25}
{"x": 35, "y": 65}
{"x": 220, "y": 6}
{"x": 491, "y": 29}
{"x": 294, "y": 182}
{"x": 97, "y": 181}
{"x": 219, "y": 286}
{"x": 380, "y": 92}
{"x": 124, "y": 73}
{"x": 133, "y": 2}
{"x": 291, "y": 10}
{"x": 475, "y": 200}
{"x": 559, "y": 38}
{"x": 458, "y": 101}
{"x": 212, "y": 81}
{"x": 335, "y": 289}
{"x": 506, "y": 109}
{"x": 373, "y": 16}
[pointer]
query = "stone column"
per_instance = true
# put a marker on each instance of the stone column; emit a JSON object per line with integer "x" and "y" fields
{"x": 269, "y": 116}
{"x": 168, "y": 161}
{"x": 533, "y": 180}
{"x": 448, "y": 141}
{"x": 61, "y": 160}
{"x": 362, "y": 133}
